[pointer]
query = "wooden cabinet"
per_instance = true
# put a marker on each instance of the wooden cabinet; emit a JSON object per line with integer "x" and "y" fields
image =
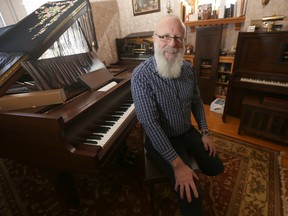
{"x": 225, "y": 68}
{"x": 208, "y": 41}
{"x": 135, "y": 46}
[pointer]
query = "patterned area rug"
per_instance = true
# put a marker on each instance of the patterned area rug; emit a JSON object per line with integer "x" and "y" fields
{"x": 284, "y": 184}
{"x": 250, "y": 185}
{"x": 10, "y": 203}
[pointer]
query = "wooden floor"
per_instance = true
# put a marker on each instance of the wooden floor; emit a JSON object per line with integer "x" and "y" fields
{"x": 230, "y": 128}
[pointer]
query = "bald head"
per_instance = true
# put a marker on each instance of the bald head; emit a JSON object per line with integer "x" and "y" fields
{"x": 170, "y": 25}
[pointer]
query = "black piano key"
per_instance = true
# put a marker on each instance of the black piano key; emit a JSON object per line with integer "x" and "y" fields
{"x": 120, "y": 113}
{"x": 96, "y": 136}
{"x": 108, "y": 123}
{"x": 113, "y": 118}
{"x": 91, "y": 141}
{"x": 102, "y": 129}
{"x": 122, "y": 109}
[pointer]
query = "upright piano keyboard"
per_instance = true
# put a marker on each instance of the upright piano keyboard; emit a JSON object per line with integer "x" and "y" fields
{"x": 264, "y": 82}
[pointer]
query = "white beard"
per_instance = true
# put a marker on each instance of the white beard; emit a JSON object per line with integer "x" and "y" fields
{"x": 168, "y": 69}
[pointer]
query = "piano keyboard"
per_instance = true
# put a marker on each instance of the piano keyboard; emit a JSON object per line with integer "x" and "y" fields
{"x": 264, "y": 82}
{"x": 105, "y": 131}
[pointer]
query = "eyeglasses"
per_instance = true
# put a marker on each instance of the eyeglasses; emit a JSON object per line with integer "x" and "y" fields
{"x": 167, "y": 38}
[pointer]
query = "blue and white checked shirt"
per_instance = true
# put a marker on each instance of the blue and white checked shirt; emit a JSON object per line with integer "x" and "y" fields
{"x": 163, "y": 106}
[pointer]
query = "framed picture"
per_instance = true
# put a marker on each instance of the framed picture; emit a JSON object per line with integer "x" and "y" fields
{"x": 145, "y": 6}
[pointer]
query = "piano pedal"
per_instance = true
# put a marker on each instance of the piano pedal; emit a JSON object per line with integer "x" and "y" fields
{"x": 131, "y": 156}
{"x": 127, "y": 159}
{"x": 125, "y": 162}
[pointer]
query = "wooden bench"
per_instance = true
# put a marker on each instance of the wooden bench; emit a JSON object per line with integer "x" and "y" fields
{"x": 265, "y": 117}
{"x": 154, "y": 176}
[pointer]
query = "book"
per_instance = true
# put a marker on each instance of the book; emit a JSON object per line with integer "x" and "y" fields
{"x": 32, "y": 99}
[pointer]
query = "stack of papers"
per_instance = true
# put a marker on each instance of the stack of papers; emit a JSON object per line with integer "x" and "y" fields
{"x": 218, "y": 105}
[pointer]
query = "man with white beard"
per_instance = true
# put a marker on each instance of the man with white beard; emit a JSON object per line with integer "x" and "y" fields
{"x": 165, "y": 92}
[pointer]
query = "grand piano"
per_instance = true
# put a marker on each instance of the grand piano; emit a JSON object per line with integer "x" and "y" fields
{"x": 84, "y": 132}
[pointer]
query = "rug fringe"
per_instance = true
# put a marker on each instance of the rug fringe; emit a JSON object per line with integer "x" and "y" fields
{"x": 284, "y": 182}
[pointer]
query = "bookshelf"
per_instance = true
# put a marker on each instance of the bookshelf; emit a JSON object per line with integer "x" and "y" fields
{"x": 225, "y": 69}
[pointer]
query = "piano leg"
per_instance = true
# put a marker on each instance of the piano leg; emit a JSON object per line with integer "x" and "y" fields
{"x": 65, "y": 184}
{"x": 125, "y": 157}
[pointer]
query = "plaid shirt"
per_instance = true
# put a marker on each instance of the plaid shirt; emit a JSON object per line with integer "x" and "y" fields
{"x": 163, "y": 106}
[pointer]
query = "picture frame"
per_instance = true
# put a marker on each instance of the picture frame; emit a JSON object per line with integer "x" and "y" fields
{"x": 141, "y": 7}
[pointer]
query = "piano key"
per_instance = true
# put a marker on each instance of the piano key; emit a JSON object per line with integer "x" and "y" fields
{"x": 109, "y": 131}
{"x": 264, "y": 82}
{"x": 108, "y": 123}
{"x": 96, "y": 136}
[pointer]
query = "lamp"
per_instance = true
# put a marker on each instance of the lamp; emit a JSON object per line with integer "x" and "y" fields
{"x": 169, "y": 7}
{"x": 265, "y": 2}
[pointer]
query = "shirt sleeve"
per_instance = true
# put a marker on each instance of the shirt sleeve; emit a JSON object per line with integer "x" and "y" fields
{"x": 148, "y": 116}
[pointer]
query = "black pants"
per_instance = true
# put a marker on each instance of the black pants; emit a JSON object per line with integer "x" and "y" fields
{"x": 189, "y": 143}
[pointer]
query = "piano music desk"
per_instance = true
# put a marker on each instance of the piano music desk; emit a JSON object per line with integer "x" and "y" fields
{"x": 265, "y": 117}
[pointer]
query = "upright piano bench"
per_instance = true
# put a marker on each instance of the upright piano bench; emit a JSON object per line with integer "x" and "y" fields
{"x": 154, "y": 176}
{"x": 265, "y": 117}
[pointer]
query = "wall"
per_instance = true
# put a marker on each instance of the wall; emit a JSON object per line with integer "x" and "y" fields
{"x": 255, "y": 10}
{"x": 128, "y": 23}
{"x": 106, "y": 20}
{"x": 115, "y": 19}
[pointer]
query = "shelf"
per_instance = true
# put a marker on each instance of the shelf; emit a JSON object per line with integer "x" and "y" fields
{"x": 228, "y": 59}
{"x": 206, "y": 66}
{"x": 222, "y": 83}
{"x": 224, "y": 72}
{"x": 220, "y": 96}
{"x": 237, "y": 21}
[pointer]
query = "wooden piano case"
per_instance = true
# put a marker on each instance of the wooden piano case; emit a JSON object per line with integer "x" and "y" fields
{"x": 260, "y": 69}
{"x": 54, "y": 138}
{"x": 265, "y": 117}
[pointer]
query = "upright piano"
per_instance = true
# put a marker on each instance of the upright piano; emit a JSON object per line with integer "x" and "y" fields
{"x": 260, "y": 69}
{"x": 40, "y": 54}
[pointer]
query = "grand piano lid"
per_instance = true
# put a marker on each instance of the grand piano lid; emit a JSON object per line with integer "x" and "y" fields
{"x": 29, "y": 34}
{"x": 33, "y": 35}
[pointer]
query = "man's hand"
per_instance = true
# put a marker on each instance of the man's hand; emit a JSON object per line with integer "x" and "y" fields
{"x": 209, "y": 145}
{"x": 184, "y": 179}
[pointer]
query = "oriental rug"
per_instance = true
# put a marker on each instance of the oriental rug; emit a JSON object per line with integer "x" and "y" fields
{"x": 249, "y": 186}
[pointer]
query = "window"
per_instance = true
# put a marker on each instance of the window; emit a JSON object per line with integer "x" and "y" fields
{"x": 32, "y": 5}
{"x": 2, "y": 22}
